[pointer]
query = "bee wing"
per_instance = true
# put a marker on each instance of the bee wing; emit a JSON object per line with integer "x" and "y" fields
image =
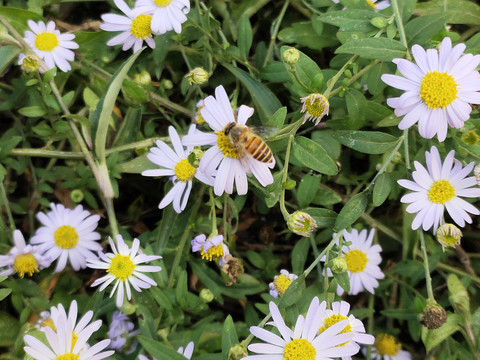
{"x": 264, "y": 131}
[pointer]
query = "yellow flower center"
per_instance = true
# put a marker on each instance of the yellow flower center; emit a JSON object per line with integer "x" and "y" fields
{"x": 25, "y": 264}
{"x": 332, "y": 320}
{"x": 356, "y": 261}
{"x": 74, "y": 339}
{"x": 438, "y": 90}
{"x": 46, "y": 41}
{"x": 68, "y": 356}
{"x": 299, "y": 349}
{"x": 224, "y": 144}
{"x": 386, "y": 345}
{"x": 281, "y": 284}
{"x": 66, "y": 237}
{"x": 441, "y": 192}
{"x": 214, "y": 253}
{"x": 141, "y": 26}
{"x": 316, "y": 105}
{"x": 162, "y": 3}
{"x": 184, "y": 170}
{"x": 48, "y": 322}
{"x": 122, "y": 267}
{"x": 199, "y": 118}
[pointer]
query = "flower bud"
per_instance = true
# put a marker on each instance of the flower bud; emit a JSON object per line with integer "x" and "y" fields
{"x": 470, "y": 137}
{"x": 195, "y": 157}
{"x": 76, "y": 195}
{"x": 291, "y": 56}
{"x": 206, "y": 295}
{"x": 448, "y": 235}
{"x": 237, "y": 352}
{"x": 29, "y": 63}
{"x": 197, "y": 76}
{"x": 315, "y": 107}
{"x": 379, "y": 22}
{"x": 143, "y": 78}
{"x": 166, "y": 84}
{"x": 289, "y": 184}
{"x": 301, "y": 223}
{"x": 433, "y": 316}
{"x": 339, "y": 265}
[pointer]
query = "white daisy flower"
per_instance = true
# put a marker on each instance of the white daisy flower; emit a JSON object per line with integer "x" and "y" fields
{"x": 340, "y": 311}
{"x": 440, "y": 187}
{"x": 135, "y": 27}
{"x": 438, "y": 89}
{"x": 122, "y": 329}
{"x": 51, "y": 45}
{"x": 176, "y": 165}
{"x": 45, "y": 319}
{"x": 68, "y": 235}
{"x": 281, "y": 283}
{"x": 386, "y": 348}
{"x": 362, "y": 260}
{"x": 304, "y": 342}
{"x": 68, "y": 340}
{"x": 187, "y": 353}
{"x": 211, "y": 249}
{"x": 22, "y": 258}
{"x": 123, "y": 267}
{"x": 166, "y": 14}
{"x": 222, "y": 160}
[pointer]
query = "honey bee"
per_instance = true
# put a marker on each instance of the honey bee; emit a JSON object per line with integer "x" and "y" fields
{"x": 248, "y": 143}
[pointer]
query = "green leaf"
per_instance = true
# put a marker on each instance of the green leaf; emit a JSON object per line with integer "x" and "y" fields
{"x": 356, "y": 105}
{"x": 314, "y": 156}
{"x": 381, "y": 189}
{"x": 294, "y": 293}
{"x": 307, "y": 189}
{"x": 278, "y": 118}
{"x": 9, "y": 329}
{"x": 303, "y": 34}
{"x": 32, "y": 111}
{"x": 432, "y": 338}
{"x": 458, "y": 295}
{"x": 137, "y": 165}
{"x": 229, "y": 336}
{"x": 245, "y": 37}
{"x": 275, "y": 72}
{"x": 351, "y": 20}
{"x": 7, "y": 55}
{"x": 422, "y": 29}
{"x": 161, "y": 299}
{"x": 323, "y": 217}
{"x": 368, "y": 142}
{"x": 8, "y": 142}
{"x": 256, "y": 259}
{"x": 158, "y": 349}
{"x": 402, "y": 314}
{"x": 101, "y": 116}
{"x": 374, "y": 48}
{"x": 18, "y": 17}
{"x": 4, "y": 293}
{"x": 307, "y": 70}
{"x": 343, "y": 280}
{"x": 266, "y": 102}
{"x": 130, "y": 127}
{"x": 457, "y": 11}
{"x": 476, "y": 323}
{"x": 299, "y": 255}
{"x": 374, "y": 83}
{"x": 352, "y": 210}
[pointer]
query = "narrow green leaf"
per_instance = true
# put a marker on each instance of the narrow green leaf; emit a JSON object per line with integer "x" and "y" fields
{"x": 101, "y": 116}
{"x": 9, "y": 329}
{"x": 158, "y": 349}
{"x": 420, "y": 30}
{"x": 343, "y": 280}
{"x": 368, "y": 142}
{"x": 4, "y": 293}
{"x": 374, "y": 48}
{"x": 130, "y": 127}
{"x": 307, "y": 189}
{"x": 432, "y": 338}
{"x": 457, "y": 11}
{"x": 299, "y": 255}
{"x": 356, "y": 106}
{"x": 229, "y": 336}
{"x": 402, "y": 314}
{"x": 352, "y": 210}
{"x": 256, "y": 259}
{"x": 245, "y": 37}
{"x": 381, "y": 189}
{"x": 307, "y": 70}
{"x": 314, "y": 156}
{"x": 324, "y": 218}
{"x": 32, "y": 111}
{"x": 278, "y": 118}
{"x": 137, "y": 165}
{"x": 351, "y": 20}
{"x": 458, "y": 295}
{"x": 303, "y": 33}
{"x": 161, "y": 298}
{"x": 7, "y": 55}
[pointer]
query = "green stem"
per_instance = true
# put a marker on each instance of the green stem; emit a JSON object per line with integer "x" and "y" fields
{"x": 355, "y": 77}
{"x": 262, "y": 324}
{"x": 334, "y": 79}
{"x": 399, "y": 22}
{"x": 407, "y": 154}
{"x": 327, "y": 248}
{"x": 313, "y": 244}
{"x": 276, "y": 28}
{"x": 454, "y": 270}
{"x": 213, "y": 212}
{"x": 426, "y": 267}
{"x": 111, "y": 217}
{"x": 325, "y": 280}
{"x": 4, "y": 198}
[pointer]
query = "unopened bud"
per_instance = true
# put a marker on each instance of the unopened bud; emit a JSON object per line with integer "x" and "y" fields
{"x": 291, "y": 56}
{"x": 379, "y": 22}
{"x": 76, "y": 195}
{"x": 433, "y": 316}
{"x": 29, "y": 63}
{"x": 470, "y": 138}
{"x": 301, "y": 223}
{"x": 237, "y": 352}
{"x": 166, "y": 84}
{"x": 128, "y": 308}
{"x": 448, "y": 235}
{"x": 195, "y": 157}
{"x": 206, "y": 295}
{"x": 143, "y": 78}
{"x": 339, "y": 265}
{"x": 197, "y": 76}
{"x": 289, "y": 184}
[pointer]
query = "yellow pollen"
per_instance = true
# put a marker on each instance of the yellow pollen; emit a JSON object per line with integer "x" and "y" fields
{"x": 356, "y": 261}
{"x": 386, "y": 345}
{"x": 66, "y": 237}
{"x": 299, "y": 349}
{"x": 224, "y": 144}
{"x": 214, "y": 253}
{"x": 184, "y": 170}
{"x": 162, "y": 3}
{"x": 441, "y": 192}
{"x": 122, "y": 267}
{"x": 281, "y": 284}
{"x": 332, "y": 320}
{"x": 74, "y": 339}
{"x": 315, "y": 105}
{"x": 48, "y": 322}
{"x": 68, "y": 356}
{"x": 438, "y": 90}
{"x": 141, "y": 26}
{"x": 46, "y": 41}
{"x": 25, "y": 264}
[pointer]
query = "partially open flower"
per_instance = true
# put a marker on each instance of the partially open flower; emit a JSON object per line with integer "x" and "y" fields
{"x": 315, "y": 107}
{"x": 448, "y": 235}
{"x": 197, "y": 76}
{"x": 301, "y": 223}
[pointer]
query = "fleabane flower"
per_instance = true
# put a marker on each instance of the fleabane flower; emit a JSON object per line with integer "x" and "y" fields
{"x": 211, "y": 249}
{"x": 68, "y": 235}
{"x": 29, "y": 63}
{"x": 304, "y": 342}
{"x": 123, "y": 267}
{"x": 135, "y": 27}
{"x": 386, "y": 348}
{"x": 281, "y": 283}
{"x": 176, "y": 165}
{"x": 315, "y": 106}
{"x": 23, "y": 259}
{"x": 166, "y": 14}
{"x": 340, "y": 311}
{"x": 223, "y": 160}
{"x": 440, "y": 187}
{"x": 67, "y": 339}
{"x": 439, "y": 89}
{"x": 50, "y": 44}
{"x": 362, "y": 260}
{"x": 122, "y": 333}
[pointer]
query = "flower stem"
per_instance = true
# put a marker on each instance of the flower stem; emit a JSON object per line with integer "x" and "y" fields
{"x": 111, "y": 217}
{"x": 407, "y": 154}
{"x": 213, "y": 212}
{"x": 428, "y": 278}
{"x": 4, "y": 200}
{"x": 401, "y": 30}
{"x": 355, "y": 77}
{"x": 275, "y": 30}
{"x": 327, "y": 248}
{"x": 334, "y": 79}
